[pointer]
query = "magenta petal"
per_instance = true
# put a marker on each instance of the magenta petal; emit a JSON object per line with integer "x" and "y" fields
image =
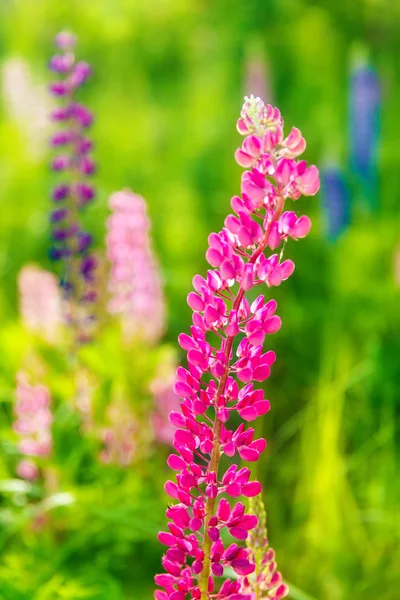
{"x": 171, "y": 489}
{"x": 164, "y": 580}
{"x": 234, "y": 490}
{"x": 176, "y": 462}
{"x": 244, "y": 570}
{"x": 287, "y": 268}
{"x": 183, "y": 390}
{"x": 262, "y": 373}
{"x": 195, "y": 302}
{"x": 259, "y": 445}
{"x": 257, "y": 338}
{"x": 177, "y": 596}
{"x": 217, "y": 569}
{"x": 251, "y": 489}
{"x": 214, "y": 258}
{"x": 166, "y": 538}
{"x": 273, "y": 324}
{"x": 249, "y": 413}
{"x": 248, "y": 454}
{"x": 249, "y": 522}
{"x": 229, "y": 449}
{"x": 262, "y": 407}
{"x": 302, "y": 227}
{"x": 238, "y": 532}
{"x": 195, "y": 524}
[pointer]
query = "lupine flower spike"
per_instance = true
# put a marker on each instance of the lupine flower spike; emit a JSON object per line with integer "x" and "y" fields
{"x": 165, "y": 401}
{"x": 33, "y": 422}
{"x": 266, "y": 581}
{"x": 40, "y": 301}
{"x": 218, "y": 385}
{"x": 135, "y": 283}
{"x": 71, "y": 243}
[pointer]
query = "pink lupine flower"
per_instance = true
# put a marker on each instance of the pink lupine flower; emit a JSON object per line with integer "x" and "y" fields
{"x": 205, "y": 529}
{"x": 257, "y": 77}
{"x": 135, "y": 283}
{"x": 26, "y": 102}
{"x": 27, "y": 469}
{"x": 166, "y": 401}
{"x": 40, "y": 301}
{"x": 33, "y": 424}
{"x": 119, "y": 438}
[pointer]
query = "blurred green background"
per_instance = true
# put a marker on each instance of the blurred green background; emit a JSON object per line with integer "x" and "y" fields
{"x": 169, "y": 79}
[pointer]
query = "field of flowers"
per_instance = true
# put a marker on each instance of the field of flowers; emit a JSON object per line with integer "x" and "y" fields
{"x": 129, "y": 291}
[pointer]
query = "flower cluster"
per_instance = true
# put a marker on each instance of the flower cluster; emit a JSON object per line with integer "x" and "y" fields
{"x": 266, "y": 581}
{"x": 135, "y": 283}
{"x": 71, "y": 243}
{"x": 218, "y": 386}
{"x": 40, "y": 301}
{"x": 33, "y": 422}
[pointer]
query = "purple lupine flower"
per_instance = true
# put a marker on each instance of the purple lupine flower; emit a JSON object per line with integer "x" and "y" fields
{"x": 71, "y": 244}
{"x": 335, "y": 201}
{"x": 365, "y": 100}
{"x": 226, "y": 359}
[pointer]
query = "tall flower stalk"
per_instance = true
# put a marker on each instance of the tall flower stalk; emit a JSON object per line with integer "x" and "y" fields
{"x": 71, "y": 243}
{"x": 225, "y": 357}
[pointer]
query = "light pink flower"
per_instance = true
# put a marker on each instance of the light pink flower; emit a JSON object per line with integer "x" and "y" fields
{"x": 32, "y": 424}
{"x": 135, "y": 283}
{"x": 26, "y": 102}
{"x": 257, "y": 77}
{"x": 40, "y": 301}
{"x": 166, "y": 401}
{"x": 27, "y": 469}
{"x": 119, "y": 437}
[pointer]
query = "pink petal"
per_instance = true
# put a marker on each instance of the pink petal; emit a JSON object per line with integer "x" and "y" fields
{"x": 243, "y": 158}
{"x": 176, "y": 462}
{"x": 273, "y": 324}
{"x": 248, "y": 454}
{"x": 249, "y": 413}
{"x": 238, "y": 532}
{"x": 251, "y": 489}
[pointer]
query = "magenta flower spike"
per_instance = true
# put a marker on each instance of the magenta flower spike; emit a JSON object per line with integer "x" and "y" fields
{"x": 71, "y": 243}
{"x": 221, "y": 381}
